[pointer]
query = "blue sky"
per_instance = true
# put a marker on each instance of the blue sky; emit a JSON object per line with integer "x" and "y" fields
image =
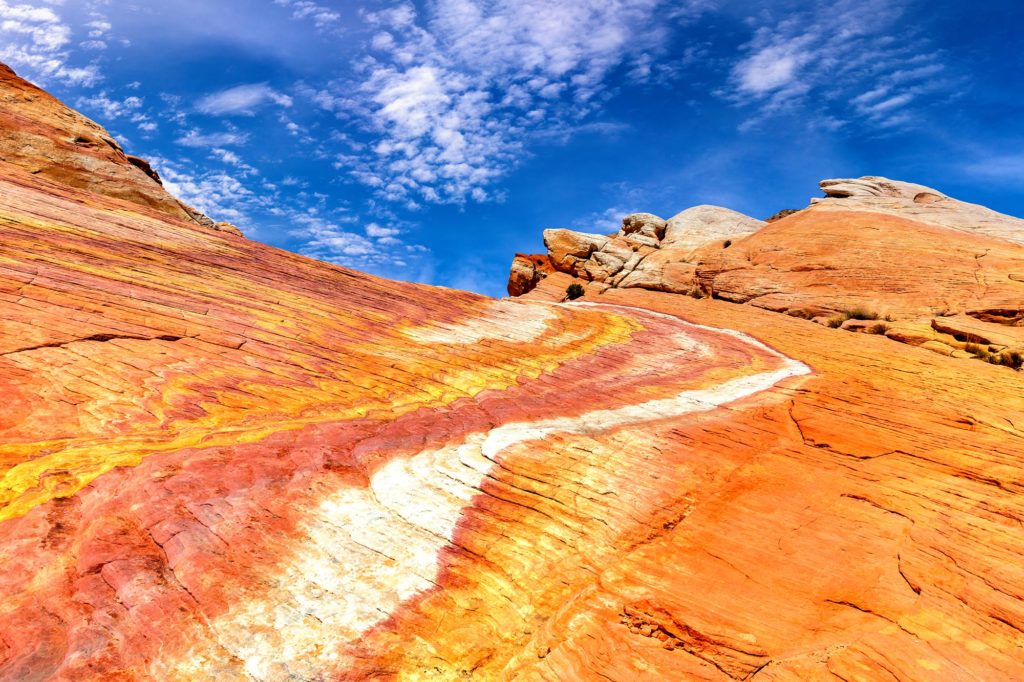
{"x": 432, "y": 140}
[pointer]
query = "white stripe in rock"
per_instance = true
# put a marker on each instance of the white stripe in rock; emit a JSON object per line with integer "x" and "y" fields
{"x": 501, "y": 321}
{"x": 369, "y": 550}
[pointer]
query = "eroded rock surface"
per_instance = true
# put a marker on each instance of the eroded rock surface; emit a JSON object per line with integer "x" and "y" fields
{"x": 648, "y": 252}
{"x": 918, "y": 203}
{"x": 219, "y": 460}
{"x": 903, "y": 256}
{"x": 43, "y": 136}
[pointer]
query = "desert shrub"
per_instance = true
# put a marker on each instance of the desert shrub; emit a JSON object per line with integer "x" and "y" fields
{"x": 695, "y": 293}
{"x": 1008, "y": 358}
{"x": 727, "y": 243}
{"x": 574, "y": 291}
{"x": 859, "y": 313}
{"x": 977, "y": 350}
{"x": 879, "y": 328}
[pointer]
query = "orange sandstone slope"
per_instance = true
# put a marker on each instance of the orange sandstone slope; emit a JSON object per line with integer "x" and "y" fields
{"x": 224, "y": 461}
{"x": 221, "y": 460}
{"x": 44, "y": 137}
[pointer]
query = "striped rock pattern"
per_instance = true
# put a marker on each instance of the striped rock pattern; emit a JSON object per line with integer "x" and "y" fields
{"x": 224, "y": 460}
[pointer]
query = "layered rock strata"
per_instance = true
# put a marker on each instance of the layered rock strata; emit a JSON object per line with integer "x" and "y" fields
{"x": 219, "y": 460}
{"x": 223, "y": 459}
{"x": 44, "y": 137}
{"x": 905, "y": 257}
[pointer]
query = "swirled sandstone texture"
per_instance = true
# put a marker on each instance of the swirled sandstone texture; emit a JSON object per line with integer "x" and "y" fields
{"x": 46, "y": 138}
{"x": 224, "y": 460}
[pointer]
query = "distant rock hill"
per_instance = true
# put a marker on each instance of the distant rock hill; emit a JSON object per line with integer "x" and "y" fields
{"x": 224, "y": 461}
{"x": 41, "y": 135}
{"x": 913, "y": 263}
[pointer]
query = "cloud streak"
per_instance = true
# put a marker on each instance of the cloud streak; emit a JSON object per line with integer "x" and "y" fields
{"x": 34, "y": 40}
{"x": 242, "y": 100}
{"x": 452, "y": 95}
{"x": 838, "y": 60}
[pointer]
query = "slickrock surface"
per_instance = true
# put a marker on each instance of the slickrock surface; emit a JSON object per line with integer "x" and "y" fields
{"x": 224, "y": 461}
{"x": 888, "y": 249}
{"x": 919, "y": 203}
{"x": 866, "y": 525}
{"x": 46, "y": 138}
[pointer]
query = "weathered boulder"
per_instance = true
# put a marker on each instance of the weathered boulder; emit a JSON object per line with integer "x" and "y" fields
{"x": 648, "y": 252}
{"x": 224, "y": 226}
{"x": 699, "y": 225}
{"x": 661, "y": 270}
{"x": 643, "y": 228}
{"x": 569, "y": 250}
{"x": 526, "y": 272}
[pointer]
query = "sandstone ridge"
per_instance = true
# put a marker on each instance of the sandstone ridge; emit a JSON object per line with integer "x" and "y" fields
{"x": 909, "y": 261}
{"x": 220, "y": 460}
{"x": 44, "y": 137}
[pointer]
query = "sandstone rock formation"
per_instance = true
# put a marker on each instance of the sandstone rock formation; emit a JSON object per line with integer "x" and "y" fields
{"x": 44, "y": 137}
{"x": 219, "y": 460}
{"x": 235, "y": 462}
{"x": 527, "y": 271}
{"x": 919, "y": 203}
{"x": 648, "y": 252}
{"x": 889, "y": 249}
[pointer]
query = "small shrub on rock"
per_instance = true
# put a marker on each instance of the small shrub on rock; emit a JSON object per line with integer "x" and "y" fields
{"x": 859, "y": 313}
{"x": 574, "y": 291}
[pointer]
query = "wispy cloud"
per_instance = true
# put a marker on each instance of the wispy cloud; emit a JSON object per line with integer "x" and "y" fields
{"x": 34, "y": 40}
{"x": 839, "y": 60}
{"x": 340, "y": 240}
{"x": 194, "y": 138}
{"x": 322, "y": 17}
{"x": 1003, "y": 170}
{"x": 242, "y": 100}
{"x": 106, "y": 108}
{"x": 218, "y": 194}
{"x": 450, "y": 96}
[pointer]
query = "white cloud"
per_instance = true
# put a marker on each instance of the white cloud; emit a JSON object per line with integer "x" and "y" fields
{"x": 839, "y": 61}
{"x": 375, "y": 230}
{"x": 379, "y": 250}
{"x": 322, "y": 17}
{"x": 452, "y": 95}
{"x": 34, "y": 40}
{"x": 219, "y": 195}
{"x": 232, "y": 159}
{"x": 241, "y": 100}
{"x": 771, "y": 68}
{"x": 108, "y": 109}
{"x": 193, "y": 138}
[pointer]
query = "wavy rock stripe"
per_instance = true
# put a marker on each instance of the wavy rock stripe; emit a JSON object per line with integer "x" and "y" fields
{"x": 215, "y": 454}
{"x": 367, "y": 550}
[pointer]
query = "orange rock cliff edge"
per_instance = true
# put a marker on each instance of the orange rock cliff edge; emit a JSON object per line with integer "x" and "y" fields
{"x": 772, "y": 451}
